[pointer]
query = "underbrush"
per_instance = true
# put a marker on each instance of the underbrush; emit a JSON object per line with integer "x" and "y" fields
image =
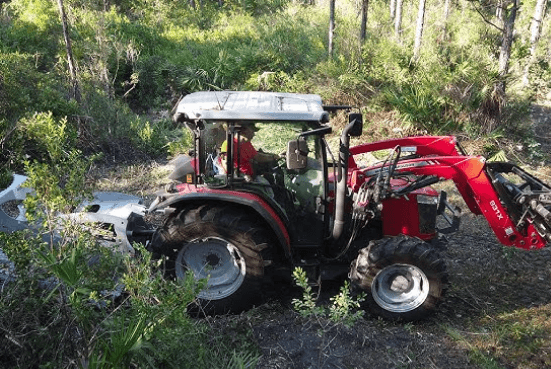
{"x": 497, "y": 308}
{"x": 520, "y": 338}
{"x": 506, "y": 337}
{"x": 70, "y": 302}
{"x": 80, "y": 305}
{"x": 138, "y": 60}
{"x": 344, "y": 308}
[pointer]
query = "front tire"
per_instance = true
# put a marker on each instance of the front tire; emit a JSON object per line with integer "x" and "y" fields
{"x": 224, "y": 245}
{"x": 404, "y": 277}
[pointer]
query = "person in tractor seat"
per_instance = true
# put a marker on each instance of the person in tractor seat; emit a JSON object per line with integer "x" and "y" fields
{"x": 249, "y": 161}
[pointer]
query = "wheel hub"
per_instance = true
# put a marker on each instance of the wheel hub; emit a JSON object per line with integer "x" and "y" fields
{"x": 213, "y": 260}
{"x": 216, "y": 260}
{"x": 400, "y": 288}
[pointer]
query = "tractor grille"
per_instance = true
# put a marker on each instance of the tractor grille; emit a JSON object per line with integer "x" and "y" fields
{"x": 427, "y": 206}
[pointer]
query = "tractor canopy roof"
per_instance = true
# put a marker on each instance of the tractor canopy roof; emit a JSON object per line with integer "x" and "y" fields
{"x": 251, "y": 106}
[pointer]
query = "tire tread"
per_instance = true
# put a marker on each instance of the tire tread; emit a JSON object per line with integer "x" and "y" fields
{"x": 401, "y": 250}
{"x": 227, "y": 222}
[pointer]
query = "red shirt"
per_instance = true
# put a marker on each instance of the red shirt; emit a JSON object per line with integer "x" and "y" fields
{"x": 246, "y": 153}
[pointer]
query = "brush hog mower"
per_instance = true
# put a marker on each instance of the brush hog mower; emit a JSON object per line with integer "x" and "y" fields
{"x": 239, "y": 216}
{"x": 117, "y": 216}
{"x": 121, "y": 213}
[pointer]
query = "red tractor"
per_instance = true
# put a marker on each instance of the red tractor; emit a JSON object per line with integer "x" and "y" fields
{"x": 234, "y": 217}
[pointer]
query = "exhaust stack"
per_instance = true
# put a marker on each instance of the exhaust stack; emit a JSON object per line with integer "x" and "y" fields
{"x": 353, "y": 129}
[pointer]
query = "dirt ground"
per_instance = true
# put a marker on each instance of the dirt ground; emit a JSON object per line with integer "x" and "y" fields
{"x": 485, "y": 278}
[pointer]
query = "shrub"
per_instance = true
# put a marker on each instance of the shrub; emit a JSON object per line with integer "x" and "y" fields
{"x": 343, "y": 308}
{"x": 23, "y": 89}
{"x": 30, "y": 27}
{"x": 6, "y": 177}
{"x": 151, "y": 137}
{"x": 52, "y": 139}
{"x": 180, "y": 142}
{"x": 75, "y": 303}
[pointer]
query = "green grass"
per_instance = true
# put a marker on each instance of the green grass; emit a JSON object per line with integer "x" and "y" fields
{"x": 518, "y": 339}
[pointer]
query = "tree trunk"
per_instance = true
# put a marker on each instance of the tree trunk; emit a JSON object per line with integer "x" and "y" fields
{"x": 331, "y": 27}
{"x": 500, "y": 14}
{"x": 363, "y": 27}
{"x": 75, "y": 89}
{"x": 419, "y": 30}
{"x": 398, "y": 19}
{"x": 535, "y": 32}
{"x": 445, "y": 16}
{"x": 508, "y": 18}
{"x": 392, "y": 8}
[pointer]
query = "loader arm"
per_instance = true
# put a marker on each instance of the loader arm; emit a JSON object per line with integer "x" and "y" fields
{"x": 515, "y": 224}
{"x": 418, "y": 146}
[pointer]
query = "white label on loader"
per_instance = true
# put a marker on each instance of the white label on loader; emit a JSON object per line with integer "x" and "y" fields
{"x": 409, "y": 149}
{"x": 496, "y": 210}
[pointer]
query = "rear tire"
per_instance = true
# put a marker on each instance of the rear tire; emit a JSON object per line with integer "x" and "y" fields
{"x": 222, "y": 244}
{"x": 404, "y": 277}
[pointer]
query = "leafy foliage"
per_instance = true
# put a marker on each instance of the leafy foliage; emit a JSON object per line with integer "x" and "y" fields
{"x": 25, "y": 87}
{"x": 307, "y": 305}
{"x": 343, "y": 309}
{"x": 51, "y": 139}
{"x": 139, "y": 57}
{"x": 102, "y": 309}
{"x": 5, "y": 178}
{"x": 30, "y": 27}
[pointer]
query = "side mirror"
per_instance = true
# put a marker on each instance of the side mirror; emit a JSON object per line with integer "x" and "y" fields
{"x": 297, "y": 154}
{"x": 357, "y": 120}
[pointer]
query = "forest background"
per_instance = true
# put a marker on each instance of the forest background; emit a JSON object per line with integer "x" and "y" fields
{"x": 95, "y": 81}
{"x": 112, "y": 70}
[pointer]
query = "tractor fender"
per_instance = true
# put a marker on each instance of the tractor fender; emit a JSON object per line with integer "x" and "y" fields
{"x": 190, "y": 193}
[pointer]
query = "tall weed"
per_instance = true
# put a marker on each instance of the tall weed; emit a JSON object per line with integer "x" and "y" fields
{"x": 343, "y": 309}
